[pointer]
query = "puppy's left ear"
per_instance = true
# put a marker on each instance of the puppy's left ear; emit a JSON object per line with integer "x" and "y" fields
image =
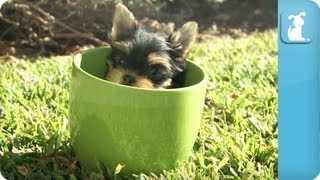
{"x": 184, "y": 38}
{"x": 124, "y": 23}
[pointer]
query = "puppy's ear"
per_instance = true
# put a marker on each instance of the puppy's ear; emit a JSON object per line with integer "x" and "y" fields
{"x": 124, "y": 23}
{"x": 291, "y": 17}
{"x": 302, "y": 14}
{"x": 184, "y": 38}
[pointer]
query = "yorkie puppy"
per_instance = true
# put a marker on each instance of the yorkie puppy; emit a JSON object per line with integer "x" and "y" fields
{"x": 143, "y": 59}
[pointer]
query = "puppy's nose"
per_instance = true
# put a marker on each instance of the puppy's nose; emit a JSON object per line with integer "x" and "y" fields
{"x": 128, "y": 79}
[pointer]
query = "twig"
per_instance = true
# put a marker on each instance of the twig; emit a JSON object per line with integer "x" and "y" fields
{"x": 76, "y": 33}
{"x": 16, "y": 24}
{"x": 41, "y": 11}
{"x": 7, "y": 31}
{"x": 79, "y": 35}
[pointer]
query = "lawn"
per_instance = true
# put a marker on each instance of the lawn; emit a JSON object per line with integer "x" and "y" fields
{"x": 237, "y": 139}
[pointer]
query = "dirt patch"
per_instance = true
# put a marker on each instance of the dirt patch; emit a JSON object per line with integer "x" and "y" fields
{"x": 67, "y": 26}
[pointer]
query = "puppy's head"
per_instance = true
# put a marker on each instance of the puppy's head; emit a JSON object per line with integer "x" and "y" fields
{"x": 143, "y": 59}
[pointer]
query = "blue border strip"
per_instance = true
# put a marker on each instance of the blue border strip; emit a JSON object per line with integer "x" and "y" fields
{"x": 299, "y": 94}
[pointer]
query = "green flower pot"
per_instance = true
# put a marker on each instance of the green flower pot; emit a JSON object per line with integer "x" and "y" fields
{"x": 146, "y": 130}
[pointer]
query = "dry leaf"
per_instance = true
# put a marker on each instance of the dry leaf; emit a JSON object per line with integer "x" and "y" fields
{"x": 73, "y": 166}
{"x": 22, "y": 170}
{"x": 61, "y": 160}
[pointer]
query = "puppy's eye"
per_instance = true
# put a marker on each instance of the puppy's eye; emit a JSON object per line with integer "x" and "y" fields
{"x": 153, "y": 71}
{"x": 157, "y": 73}
{"x": 118, "y": 60}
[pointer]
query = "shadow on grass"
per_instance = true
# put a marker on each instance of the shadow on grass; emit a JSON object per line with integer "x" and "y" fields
{"x": 60, "y": 164}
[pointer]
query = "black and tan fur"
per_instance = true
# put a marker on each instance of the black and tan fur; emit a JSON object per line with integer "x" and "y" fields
{"x": 143, "y": 59}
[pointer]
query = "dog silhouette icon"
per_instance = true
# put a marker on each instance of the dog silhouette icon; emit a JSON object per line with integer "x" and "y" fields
{"x": 295, "y": 30}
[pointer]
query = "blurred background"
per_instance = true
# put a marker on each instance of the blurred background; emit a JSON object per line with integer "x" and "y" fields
{"x": 58, "y": 27}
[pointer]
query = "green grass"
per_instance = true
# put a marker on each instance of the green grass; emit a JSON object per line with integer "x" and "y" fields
{"x": 237, "y": 139}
